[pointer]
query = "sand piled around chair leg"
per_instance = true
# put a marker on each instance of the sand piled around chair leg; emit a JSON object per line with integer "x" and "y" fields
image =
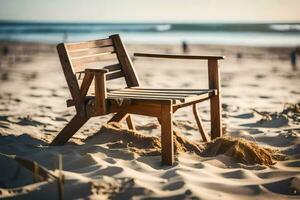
{"x": 117, "y": 137}
{"x": 183, "y": 144}
{"x": 245, "y": 151}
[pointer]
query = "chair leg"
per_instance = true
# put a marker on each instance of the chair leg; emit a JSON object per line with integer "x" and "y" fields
{"x": 200, "y": 125}
{"x": 130, "y": 123}
{"x": 118, "y": 117}
{"x": 69, "y": 130}
{"x": 167, "y": 145}
{"x": 215, "y": 117}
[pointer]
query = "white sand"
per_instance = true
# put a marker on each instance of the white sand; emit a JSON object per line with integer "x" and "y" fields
{"x": 33, "y": 111}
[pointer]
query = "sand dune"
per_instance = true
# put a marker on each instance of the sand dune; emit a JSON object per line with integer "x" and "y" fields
{"x": 110, "y": 162}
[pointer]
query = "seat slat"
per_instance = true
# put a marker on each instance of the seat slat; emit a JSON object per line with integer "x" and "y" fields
{"x": 176, "y": 100}
{"x": 172, "y": 91}
{"x": 146, "y": 96}
{"x": 142, "y": 98}
{"x": 93, "y": 58}
{"x": 89, "y": 44}
{"x": 151, "y": 94}
{"x": 93, "y": 51}
{"x": 166, "y": 89}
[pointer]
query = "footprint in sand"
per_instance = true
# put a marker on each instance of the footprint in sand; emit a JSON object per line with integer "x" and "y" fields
{"x": 260, "y": 76}
{"x": 265, "y": 97}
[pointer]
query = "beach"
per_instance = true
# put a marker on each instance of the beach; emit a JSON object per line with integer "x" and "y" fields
{"x": 260, "y": 102}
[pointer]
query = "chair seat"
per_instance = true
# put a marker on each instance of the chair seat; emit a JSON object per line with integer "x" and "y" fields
{"x": 177, "y": 96}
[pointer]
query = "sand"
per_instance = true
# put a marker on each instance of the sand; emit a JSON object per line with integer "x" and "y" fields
{"x": 259, "y": 157}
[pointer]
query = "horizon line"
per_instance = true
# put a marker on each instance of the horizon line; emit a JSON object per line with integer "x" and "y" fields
{"x": 145, "y": 22}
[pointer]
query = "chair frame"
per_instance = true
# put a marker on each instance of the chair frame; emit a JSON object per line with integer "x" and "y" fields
{"x": 162, "y": 107}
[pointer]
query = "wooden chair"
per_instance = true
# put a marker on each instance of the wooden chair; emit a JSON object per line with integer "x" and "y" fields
{"x": 89, "y": 101}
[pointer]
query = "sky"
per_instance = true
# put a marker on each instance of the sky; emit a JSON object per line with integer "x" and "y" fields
{"x": 151, "y": 10}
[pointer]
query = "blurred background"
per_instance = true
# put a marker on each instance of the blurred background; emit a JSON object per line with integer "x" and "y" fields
{"x": 230, "y": 22}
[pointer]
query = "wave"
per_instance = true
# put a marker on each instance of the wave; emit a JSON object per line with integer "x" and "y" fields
{"x": 285, "y": 27}
{"x": 277, "y": 34}
{"x": 10, "y": 27}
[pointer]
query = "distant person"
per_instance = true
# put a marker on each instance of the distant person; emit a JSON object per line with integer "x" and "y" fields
{"x": 293, "y": 58}
{"x": 184, "y": 47}
{"x": 4, "y": 51}
{"x": 239, "y": 55}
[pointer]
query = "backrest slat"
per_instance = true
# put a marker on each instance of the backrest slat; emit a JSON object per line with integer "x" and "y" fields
{"x": 89, "y": 44}
{"x": 69, "y": 74}
{"x": 91, "y": 51}
{"x": 124, "y": 59}
{"x": 93, "y": 59}
{"x": 108, "y": 53}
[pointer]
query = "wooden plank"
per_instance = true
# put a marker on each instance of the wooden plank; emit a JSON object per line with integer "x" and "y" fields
{"x": 127, "y": 66}
{"x": 110, "y": 95}
{"x": 202, "y": 131}
{"x": 176, "y": 56}
{"x": 118, "y": 117}
{"x": 166, "y": 89}
{"x": 85, "y": 85}
{"x": 95, "y": 65}
{"x": 114, "y": 75}
{"x": 188, "y": 103}
{"x": 146, "y": 109}
{"x": 140, "y": 98}
{"x": 187, "y": 93}
{"x": 215, "y": 101}
{"x": 70, "y": 102}
{"x": 93, "y": 51}
{"x": 93, "y": 58}
{"x": 114, "y": 67}
{"x": 167, "y": 143}
{"x": 145, "y": 102}
{"x": 100, "y": 93}
{"x": 151, "y": 93}
{"x": 176, "y": 99}
{"x": 89, "y": 44}
{"x": 130, "y": 123}
{"x": 177, "y": 105}
{"x": 69, "y": 130}
{"x": 197, "y": 97}
{"x": 70, "y": 77}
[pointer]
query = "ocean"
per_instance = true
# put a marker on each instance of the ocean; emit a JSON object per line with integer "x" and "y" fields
{"x": 263, "y": 34}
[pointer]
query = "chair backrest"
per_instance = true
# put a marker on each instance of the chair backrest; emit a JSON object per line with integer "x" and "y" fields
{"x": 108, "y": 53}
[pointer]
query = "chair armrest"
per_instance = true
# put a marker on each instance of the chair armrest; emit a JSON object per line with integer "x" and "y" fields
{"x": 98, "y": 75}
{"x": 89, "y": 75}
{"x": 176, "y": 56}
{"x": 100, "y": 88}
